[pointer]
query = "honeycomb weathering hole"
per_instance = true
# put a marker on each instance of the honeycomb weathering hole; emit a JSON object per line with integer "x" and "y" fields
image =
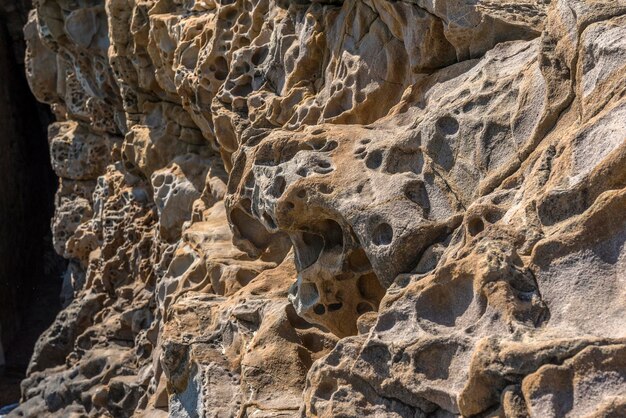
{"x": 319, "y": 309}
{"x": 278, "y": 187}
{"x": 475, "y": 226}
{"x": 358, "y": 261}
{"x": 325, "y": 235}
{"x": 383, "y": 234}
{"x": 268, "y": 219}
{"x": 416, "y": 193}
{"x": 364, "y": 307}
{"x": 335, "y": 307}
{"x": 374, "y": 160}
{"x": 332, "y": 233}
{"x": 308, "y": 253}
{"x": 369, "y": 287}
{"x": 250, "y": 228}
{"x": 308, "y": 293}
{"x": 236, "y": 126}
{"x": 448, "y": 125}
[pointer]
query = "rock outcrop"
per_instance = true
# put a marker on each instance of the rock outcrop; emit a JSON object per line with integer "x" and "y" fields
{"x": 334, "y": 208}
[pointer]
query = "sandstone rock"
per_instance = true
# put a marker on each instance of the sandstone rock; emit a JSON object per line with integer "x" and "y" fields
{"x": 335, "y": 208}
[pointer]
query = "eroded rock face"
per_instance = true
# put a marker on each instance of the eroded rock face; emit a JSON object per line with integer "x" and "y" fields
{"x": 357, "y": 208}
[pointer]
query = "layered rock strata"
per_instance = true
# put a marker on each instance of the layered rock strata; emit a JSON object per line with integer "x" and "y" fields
{"x": 335, "y": 208}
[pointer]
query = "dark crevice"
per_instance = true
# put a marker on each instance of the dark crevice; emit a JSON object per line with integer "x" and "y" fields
{"x": 30, "y": 271}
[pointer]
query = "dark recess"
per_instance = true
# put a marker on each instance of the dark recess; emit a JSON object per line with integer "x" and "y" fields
{"x": 30, "y": 271}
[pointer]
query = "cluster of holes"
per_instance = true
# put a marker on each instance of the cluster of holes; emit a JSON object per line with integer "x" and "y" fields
{"x": 477, "y": 224}
{"x": 316, "y": 165}
{"x": 370, "y": 293}
{"x": 163, "y": 184}
{"x": 405, "y": 157}
{"x": 361, "y": 150}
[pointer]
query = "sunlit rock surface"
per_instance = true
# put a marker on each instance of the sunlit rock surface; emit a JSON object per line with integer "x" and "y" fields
{"x": 335, "y": 208}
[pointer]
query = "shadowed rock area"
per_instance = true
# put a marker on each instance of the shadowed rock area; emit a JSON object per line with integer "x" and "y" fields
{"x": 30, "y": 272}
{"x": 276, "y": 208}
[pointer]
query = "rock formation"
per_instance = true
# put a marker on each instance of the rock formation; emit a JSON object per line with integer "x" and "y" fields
{"x": 334, "y": 208}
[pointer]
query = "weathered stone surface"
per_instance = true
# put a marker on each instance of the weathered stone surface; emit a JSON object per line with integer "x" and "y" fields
{"x": 335, "y": 208}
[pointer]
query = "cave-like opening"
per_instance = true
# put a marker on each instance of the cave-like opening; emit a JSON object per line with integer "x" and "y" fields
{"x": 30, "y": 271}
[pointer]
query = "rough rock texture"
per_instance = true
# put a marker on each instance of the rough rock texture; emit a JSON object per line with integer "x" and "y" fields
{"x": 335, "y": 208}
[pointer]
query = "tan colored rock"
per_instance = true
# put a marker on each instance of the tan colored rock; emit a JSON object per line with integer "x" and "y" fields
{"x": 351, "y": 208}
{"x": 597, "y": 390}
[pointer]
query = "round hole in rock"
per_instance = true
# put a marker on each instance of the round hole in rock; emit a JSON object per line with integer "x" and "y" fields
{"x": 319, "y": 309}
{"x": 326, "y": 389}
{"x": 229, "y": 14}
{"x": 492, "y": 217}
{"x": 278, "y": 187}
{"x": 116, "y": 392}
{"x": 475, "y": 226}
{"x": 448, "y": 125}
{"x": 259, "y": 55}
{"x": 158, "y": 181}
{"x": 332, "y": 233}
{"x": 221, "y": 68}
{"x": 301, "y": 194}
{"x": 374, "y": 159}
{"x": 369, "y": 287}
{"x": 330, "y": 145}
{"x": 333, "y": 307}
{"x": 358, "y": 261}
{"x": 383, "y": 234}
{"x": 364, "y": 307}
